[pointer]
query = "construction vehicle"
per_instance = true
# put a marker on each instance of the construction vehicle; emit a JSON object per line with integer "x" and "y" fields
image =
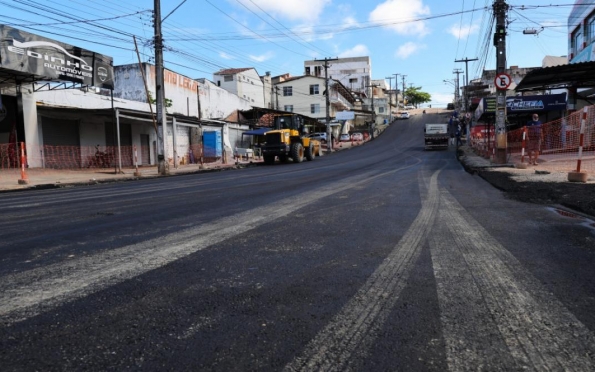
{"x": 436, "y": 136}
{"x": 288, "y": 140}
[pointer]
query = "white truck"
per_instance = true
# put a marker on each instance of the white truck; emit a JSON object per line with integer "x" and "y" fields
{"x": 436, "y": 136}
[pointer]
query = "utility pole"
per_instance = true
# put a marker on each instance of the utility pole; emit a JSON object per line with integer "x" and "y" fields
{"x": 457, "y": 94}
{"x": 328, "y": 104}
{"x": 390, "y": 111}
{"x": 500, "y": 11}
{"x": 373, "y": 124}
{"x": 403, "y": 93}
{"x": 277, "y": 97}
{"x": 397, "y": 89}
{"x": 162, "y": 166}
{"x": 466, "y": 96}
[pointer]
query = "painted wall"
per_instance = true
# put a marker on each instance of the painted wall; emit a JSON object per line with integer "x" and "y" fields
{"x": 215, "y": 102}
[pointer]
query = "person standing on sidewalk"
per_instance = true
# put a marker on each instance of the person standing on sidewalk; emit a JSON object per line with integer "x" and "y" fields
{"x": 458, "y": 135}
{"x": 533, "y": 138}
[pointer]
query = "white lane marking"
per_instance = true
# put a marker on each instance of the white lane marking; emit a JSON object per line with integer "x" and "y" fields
{"x": 540, "y": 333}
{"x": 32, "y": 292}
{"x": 356, "y": 327}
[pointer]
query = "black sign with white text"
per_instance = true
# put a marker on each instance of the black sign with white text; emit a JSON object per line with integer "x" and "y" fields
{"x": 52, "y": 60}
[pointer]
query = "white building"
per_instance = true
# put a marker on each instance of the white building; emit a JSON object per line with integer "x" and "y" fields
{"x": 243, "y": 82}
{"x": 182, "y": 92}
{"x": 355, "y": 73}
{"x": 305, "y": 95}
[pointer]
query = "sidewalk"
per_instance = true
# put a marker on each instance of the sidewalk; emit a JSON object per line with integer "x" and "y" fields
{"x": 42, "y": 178}
{"x": 549, "y": 169}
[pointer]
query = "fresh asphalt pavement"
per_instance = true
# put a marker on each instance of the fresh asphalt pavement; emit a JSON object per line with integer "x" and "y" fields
{"x": 383, "y": 257}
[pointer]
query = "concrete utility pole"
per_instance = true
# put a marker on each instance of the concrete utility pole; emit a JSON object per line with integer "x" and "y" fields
{"x": 500, "y": 11}
{"x": 162, "y": 166}
{"x": 397, "y": 89}
{"x": 457, "y": 92}
{"x": 466, "y": 96}
{"x": 403, "y": 93}
{"x": 390, "y": 111}
{"x": 328, "y": 104}
{"x": 277, "y": 97}
{"x": 373, "y": 125}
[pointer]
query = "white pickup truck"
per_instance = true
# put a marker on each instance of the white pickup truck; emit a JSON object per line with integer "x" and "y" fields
{"x": 436, "y": 136}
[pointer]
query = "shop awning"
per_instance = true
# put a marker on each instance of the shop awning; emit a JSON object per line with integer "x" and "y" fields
{"x": 579, "y": 75}
{"x": 256, "y": 132}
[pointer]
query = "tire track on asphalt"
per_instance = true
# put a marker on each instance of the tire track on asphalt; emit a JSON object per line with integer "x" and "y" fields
{"x": 357, "y": 326}
{"x": 27, "y": 294}
{"x": 495, "y": 314}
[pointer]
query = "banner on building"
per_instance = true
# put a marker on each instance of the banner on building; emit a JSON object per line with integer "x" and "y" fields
{"x": 51, "y": 60}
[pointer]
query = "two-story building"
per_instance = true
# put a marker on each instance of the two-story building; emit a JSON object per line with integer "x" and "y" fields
{"x": 306, "y": 95}
{"x": 354, "y": 73}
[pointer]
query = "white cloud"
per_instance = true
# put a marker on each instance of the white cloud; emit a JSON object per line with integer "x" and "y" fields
{"x": 262, "y": 57}
{"x": 349, "y": 22}
{"x": 225, "y": 55}
{"x": 461, "y": 32}
{"x": 400, "y": 16}
{"x": 408, "y": 49}
{"x": 291, "y": 9}
{"x": 359, "y": 50}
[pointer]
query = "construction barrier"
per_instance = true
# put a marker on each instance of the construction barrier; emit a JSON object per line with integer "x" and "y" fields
{"x": 558, "y": 142}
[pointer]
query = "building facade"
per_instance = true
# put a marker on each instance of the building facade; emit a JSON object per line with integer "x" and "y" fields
{"x": 243, "y": 82}
{"x": 354, "y": 73}
{"x": 305, "y": 95}
{"x": 581, "y": 32}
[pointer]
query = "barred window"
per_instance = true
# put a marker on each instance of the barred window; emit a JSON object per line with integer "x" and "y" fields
{"x": 315, "y": 108}
{"x": 288, "y": 108}
{"x": 314, "y": 89}
{"x": 287, "y": 91}
{"x": 227, "y": 77}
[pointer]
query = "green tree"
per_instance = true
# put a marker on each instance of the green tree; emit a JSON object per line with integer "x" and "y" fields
{"x": 415, "y": 96}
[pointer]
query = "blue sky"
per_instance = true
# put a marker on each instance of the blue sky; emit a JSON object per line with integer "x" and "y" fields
{"x": 418, "y": 38}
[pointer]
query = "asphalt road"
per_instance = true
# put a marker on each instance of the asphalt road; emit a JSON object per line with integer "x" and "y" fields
{"x": 382, "y": 257}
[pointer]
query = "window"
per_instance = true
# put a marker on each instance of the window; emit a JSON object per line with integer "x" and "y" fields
{"x": 307, "y": 70}
{"x": 227, "y": 77}
{"x": 287, "y": 91}
{"x": 218, "y": 83}
{"x": 381, "y": 109}
{"x": 353, "y": 80}
{"x": 577, "y": 40}
{"x": 591, "y": 29}
{"x": 315, "y": 108}
{"x": 314, "y": 89}
{"x": 288, "y": 108}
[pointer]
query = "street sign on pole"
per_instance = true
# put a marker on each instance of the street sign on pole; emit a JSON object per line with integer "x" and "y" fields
{"x": 502, "y": 81}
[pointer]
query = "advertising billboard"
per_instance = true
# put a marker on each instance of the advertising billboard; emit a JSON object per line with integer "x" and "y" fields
{"x": 46, "y": 59}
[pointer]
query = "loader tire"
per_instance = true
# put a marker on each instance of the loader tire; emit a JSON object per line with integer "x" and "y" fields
{"x": 297, "y": 152}
{"x": 310, "y": 153}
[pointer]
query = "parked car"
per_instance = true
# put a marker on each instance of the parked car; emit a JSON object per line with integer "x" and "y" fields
{"x": 357, "y": 137}
{"x": 320, "y": 136}
{"x": 404, "y": 115}
{"x": 409, "y": 107}
{"x": 344, "y": 137}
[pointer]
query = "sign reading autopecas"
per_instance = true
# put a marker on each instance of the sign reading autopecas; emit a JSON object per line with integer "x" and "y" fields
{"x": 48, "y": 59}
